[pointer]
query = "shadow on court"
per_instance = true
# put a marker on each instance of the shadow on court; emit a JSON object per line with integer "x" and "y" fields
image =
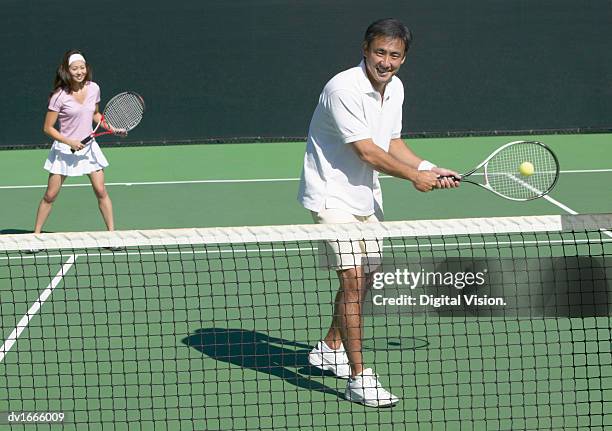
{"x": 15, "y": 231}
{"x": 262, "y": 353}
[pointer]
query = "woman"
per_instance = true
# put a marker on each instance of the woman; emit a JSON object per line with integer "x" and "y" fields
{"x": 74, "y": 102}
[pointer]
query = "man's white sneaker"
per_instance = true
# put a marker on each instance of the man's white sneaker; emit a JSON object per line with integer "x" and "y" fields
{"x": 325, "y": 358}
{"x": 365, "y": 388}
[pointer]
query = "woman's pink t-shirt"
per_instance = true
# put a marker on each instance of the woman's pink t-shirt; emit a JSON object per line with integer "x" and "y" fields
{"x": 75, "y": 119}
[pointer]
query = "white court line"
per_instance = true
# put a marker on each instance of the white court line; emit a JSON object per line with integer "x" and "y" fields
{"x": 572, "y": 212}
{"x": 25, "y": 320}
{"x": 560, "y": 205}
{"x": 554, "y": 202}
{"x": 162, "y": 183}
{"x": 245, "y": 181}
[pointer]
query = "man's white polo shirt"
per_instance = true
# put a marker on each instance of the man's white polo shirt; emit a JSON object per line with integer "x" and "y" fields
{"x": 349, "y": 110}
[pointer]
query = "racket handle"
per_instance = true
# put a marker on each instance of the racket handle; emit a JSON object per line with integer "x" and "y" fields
{"x": 84, "y": 142}
{"x": 452, "y": 177}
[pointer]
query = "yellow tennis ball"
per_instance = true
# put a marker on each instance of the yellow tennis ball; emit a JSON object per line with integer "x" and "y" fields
{"x": 526, "y": 169}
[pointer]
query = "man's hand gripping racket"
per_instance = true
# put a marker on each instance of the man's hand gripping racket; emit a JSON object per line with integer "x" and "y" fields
{"x": 519, "y": 171}
{"x": 121, "y": 114}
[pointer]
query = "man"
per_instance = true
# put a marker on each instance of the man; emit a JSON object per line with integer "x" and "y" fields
{"x": 355, "y": 134}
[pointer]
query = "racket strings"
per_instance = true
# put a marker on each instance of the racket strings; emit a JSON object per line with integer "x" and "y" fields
{"x": 124, "y": 112}
{"x": 503, "y": 176}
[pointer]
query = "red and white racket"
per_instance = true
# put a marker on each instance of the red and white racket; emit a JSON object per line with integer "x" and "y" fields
{"x": 121, "y": 114}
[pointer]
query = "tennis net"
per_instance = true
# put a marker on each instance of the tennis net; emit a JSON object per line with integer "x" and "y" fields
{"x": 499, "y": 323}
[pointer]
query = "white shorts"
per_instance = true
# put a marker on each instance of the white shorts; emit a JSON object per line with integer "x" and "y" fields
{"x": 341, "y": 255}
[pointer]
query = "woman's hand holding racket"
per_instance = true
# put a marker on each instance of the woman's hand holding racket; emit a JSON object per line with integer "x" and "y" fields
{"x": 121, "y": 114}
{"x": 74, "y": 145}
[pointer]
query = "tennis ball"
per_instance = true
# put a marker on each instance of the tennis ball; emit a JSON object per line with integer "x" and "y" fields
{"x": 526, "y": 169}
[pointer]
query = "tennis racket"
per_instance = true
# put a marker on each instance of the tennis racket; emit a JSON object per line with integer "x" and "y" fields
{"x": 121, "y": 114}
{"x": 519, "y": 171}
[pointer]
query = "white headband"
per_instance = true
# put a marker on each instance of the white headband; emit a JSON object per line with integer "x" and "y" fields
{"x": 75, "y": 57}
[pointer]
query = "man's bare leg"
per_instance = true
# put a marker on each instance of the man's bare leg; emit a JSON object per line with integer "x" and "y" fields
{"x": 347, "y": 321}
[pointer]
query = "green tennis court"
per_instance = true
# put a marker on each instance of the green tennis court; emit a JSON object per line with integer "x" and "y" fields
{"x": 216, "y": 337}
{"x": 241, "y": 184}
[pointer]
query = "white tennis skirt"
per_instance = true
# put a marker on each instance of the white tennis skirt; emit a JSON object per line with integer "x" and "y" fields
{"x": 62, "y": 161}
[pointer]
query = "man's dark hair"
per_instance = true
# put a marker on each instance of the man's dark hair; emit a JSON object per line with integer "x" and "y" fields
{"x": 388, "y": 27}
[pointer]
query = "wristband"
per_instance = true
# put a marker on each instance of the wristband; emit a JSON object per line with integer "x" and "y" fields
{"x": 425, "y": 166}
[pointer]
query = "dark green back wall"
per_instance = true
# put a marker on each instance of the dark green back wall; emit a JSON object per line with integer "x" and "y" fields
{"x": 243, "y": 68}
